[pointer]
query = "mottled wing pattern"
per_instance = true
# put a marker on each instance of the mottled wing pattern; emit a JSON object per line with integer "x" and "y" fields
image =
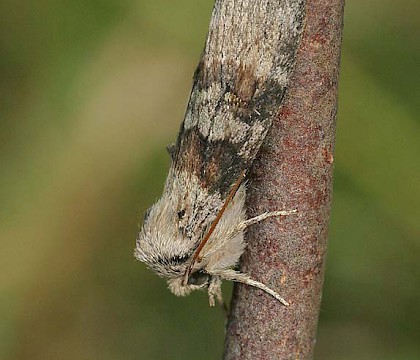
{"x": 234, "y": 100}
{"x": 224, "y": 128}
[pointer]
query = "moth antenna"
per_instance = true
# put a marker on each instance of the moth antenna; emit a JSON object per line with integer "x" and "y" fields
{"x": 232, "y": 275}
{"x": 213, "y": 226}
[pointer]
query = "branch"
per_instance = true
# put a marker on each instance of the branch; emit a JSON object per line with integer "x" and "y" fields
{"x": 293, "y": 170}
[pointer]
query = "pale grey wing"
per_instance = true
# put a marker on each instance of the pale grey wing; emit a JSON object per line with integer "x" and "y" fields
{"x": 235, "y": 97}
{"x": 237, "y": 87}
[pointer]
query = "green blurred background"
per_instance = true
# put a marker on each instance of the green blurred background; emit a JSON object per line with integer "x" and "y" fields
{"x": 91, "y": 92}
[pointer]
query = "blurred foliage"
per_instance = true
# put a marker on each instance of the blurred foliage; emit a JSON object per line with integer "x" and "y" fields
{"x": 91, "y": 91}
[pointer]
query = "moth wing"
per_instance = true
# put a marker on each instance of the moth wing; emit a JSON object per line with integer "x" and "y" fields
{"x": 224, "y": 127}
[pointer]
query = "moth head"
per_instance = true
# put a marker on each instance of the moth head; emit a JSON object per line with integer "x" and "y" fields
{"x": 160, "y": 245}
{"x": 166, "y": 252}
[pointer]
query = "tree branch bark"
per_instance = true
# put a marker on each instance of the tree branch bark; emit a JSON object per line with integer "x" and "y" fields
{"x": 293, "y": 170}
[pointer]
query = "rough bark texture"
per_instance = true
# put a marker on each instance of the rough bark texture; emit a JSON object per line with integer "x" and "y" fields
{"x": 293, "y": 170}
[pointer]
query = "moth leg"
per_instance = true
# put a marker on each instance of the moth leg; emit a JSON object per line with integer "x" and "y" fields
{"x": 244, "y": 224}
{"x": 232, "y": 275}
{"x": 215, "y": 291}
{"x": 239, "y": 228}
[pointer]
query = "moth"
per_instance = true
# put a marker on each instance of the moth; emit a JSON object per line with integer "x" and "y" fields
{"x": 193, "y": 236}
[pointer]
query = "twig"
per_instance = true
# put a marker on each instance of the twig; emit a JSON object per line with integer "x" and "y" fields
{"x": 293, "y": 170}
